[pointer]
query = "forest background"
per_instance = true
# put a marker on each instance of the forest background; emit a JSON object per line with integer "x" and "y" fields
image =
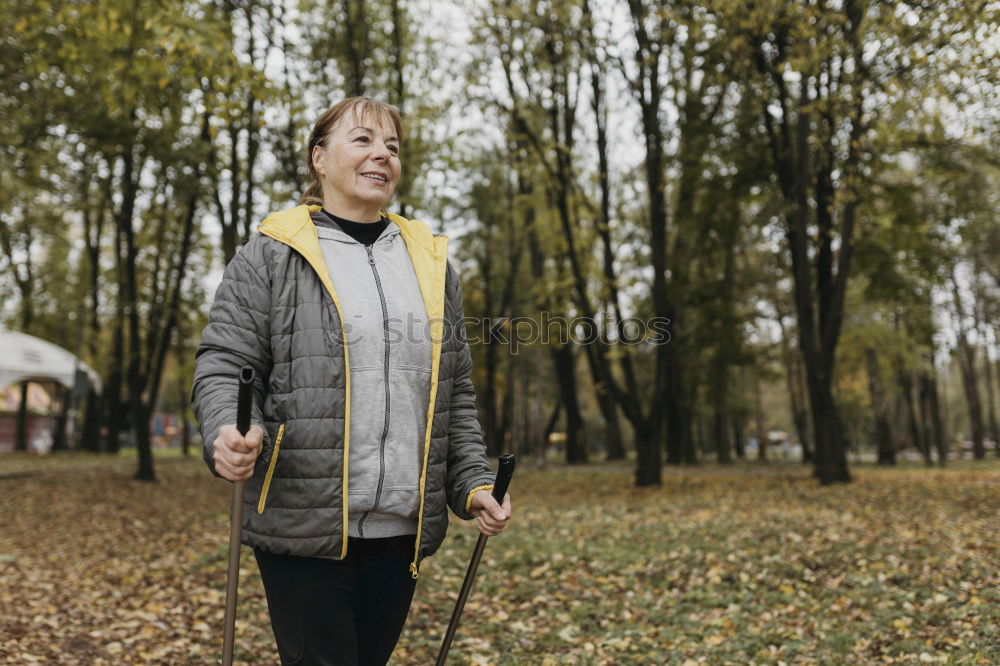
{"x": 805, "y": 191}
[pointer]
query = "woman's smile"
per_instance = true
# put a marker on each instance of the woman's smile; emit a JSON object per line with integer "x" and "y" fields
{"x": 377, "y": 178}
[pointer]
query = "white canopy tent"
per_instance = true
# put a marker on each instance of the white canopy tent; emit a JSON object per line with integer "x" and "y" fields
{"x": 27, "y": 358}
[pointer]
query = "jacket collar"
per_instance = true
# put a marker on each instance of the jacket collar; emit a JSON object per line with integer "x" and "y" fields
{"x": 428, "y": 252}
{"x": 296, "y": 224}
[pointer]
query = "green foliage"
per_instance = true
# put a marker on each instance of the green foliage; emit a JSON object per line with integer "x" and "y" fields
{"x": 501, "y": 152}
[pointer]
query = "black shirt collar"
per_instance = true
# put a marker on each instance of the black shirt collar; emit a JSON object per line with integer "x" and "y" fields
{"x": 365, "y": 233}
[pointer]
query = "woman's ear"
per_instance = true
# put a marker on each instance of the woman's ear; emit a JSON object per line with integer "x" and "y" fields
{"x": 317, "y": 160}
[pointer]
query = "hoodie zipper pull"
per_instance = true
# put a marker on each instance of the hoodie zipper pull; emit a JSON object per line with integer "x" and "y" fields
{"x": 413, "y": 571}
{"x": 371, "y": 257}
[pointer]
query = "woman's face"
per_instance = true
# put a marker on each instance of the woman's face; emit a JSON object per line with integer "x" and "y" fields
{"x": 359, "y": 167}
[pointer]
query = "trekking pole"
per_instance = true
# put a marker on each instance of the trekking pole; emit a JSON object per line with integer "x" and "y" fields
{"x": 243, "y": 402}
{"x": 504, "y": 474}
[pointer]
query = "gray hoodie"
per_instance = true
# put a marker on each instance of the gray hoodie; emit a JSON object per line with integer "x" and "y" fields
{"x": 385, "y": 323}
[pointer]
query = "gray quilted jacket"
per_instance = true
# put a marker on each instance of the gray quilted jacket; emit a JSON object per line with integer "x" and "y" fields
{"x": 276, "y": 309}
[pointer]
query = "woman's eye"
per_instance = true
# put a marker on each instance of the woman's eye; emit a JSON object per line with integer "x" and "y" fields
{"x": 362, "y": 138}
{"x": 394, "y": 150}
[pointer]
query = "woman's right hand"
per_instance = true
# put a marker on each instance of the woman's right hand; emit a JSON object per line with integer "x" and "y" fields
{"x": 234, "y": 454}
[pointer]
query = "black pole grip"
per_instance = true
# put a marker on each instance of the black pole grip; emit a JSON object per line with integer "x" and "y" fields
{"x": 244, "y": 399}
{"x": 505, "y": 471}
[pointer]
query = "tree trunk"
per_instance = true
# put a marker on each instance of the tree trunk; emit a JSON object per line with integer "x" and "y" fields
{"x": 185, "y": 426}
{"x": 136, "y": 386}
{"x": 801, "y": 414}
{"x": 905, "y": 382}
{"x": 59, "y": 440}
{"x": 491, "y": 422}
{"x": 576, "y": 440}
{"x": 495, "y": 428}
{"x": 524, "y": 394}
{"x": 796, "y": 393}
{"x": 648, "y": 470}
{"x": 93, "y": 227}
{"x": 884, "y": 443}
{"x": 514, "y": 424}
{"x": 990, "y": 398}
{"x": 967, "y": 364}
{"x": 830, "y": 464}
{"x": 507, "y": 408}
{"x": 996, "y": 338}
{"x": 355, "y": 40}
{"x": 761, "y": 424}
{"x": 112, "y": 398}
{"x": 979, "y": 310}
{"x": 613, "y": 448}
{"x": 613, "y": 438}
{"x": 932, "y": 414}
{"x": 605, "y": 401}
{"x": 21, "y": 425}
{"x": 649, "y": 94}
{"x": 831, "y": 445}
{"x": 726, "y": 346}
{"x": 550, "y": 427}
{"x": 719, "y": 397}
{"x": 90, "y": 439}
{"x": 738, "y": 440}
{"x": 680, "y": 442}
{"x": 819, "y": 289}
{"x": 537, "y": 438}
{"x": 970, "y": 380}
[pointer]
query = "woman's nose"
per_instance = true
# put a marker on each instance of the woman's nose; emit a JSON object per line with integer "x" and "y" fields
{"x": 381, "y": 151}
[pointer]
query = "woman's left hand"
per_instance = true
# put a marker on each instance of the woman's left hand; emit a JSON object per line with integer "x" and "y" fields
{"x": 491, "y": 517}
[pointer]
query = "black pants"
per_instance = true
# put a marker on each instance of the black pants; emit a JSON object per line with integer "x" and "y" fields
{"x": 332, "y": 613}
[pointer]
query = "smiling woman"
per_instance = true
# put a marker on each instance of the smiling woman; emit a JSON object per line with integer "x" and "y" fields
{"x": 365, "y": 429}
{"x": 354, "y": 158}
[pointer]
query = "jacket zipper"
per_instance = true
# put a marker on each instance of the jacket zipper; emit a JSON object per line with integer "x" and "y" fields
{"x": 385, "y": 366}
{"x": 270, "y": 469}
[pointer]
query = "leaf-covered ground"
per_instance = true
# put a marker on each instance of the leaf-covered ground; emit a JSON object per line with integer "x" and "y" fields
{"x": 755, "y": 564}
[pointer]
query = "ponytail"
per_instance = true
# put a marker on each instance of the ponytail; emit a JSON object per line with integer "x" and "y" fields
{"x": 313, "y": 195}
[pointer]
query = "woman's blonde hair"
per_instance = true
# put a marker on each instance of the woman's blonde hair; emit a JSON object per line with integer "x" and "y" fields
{"x": 362, "y": 108}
